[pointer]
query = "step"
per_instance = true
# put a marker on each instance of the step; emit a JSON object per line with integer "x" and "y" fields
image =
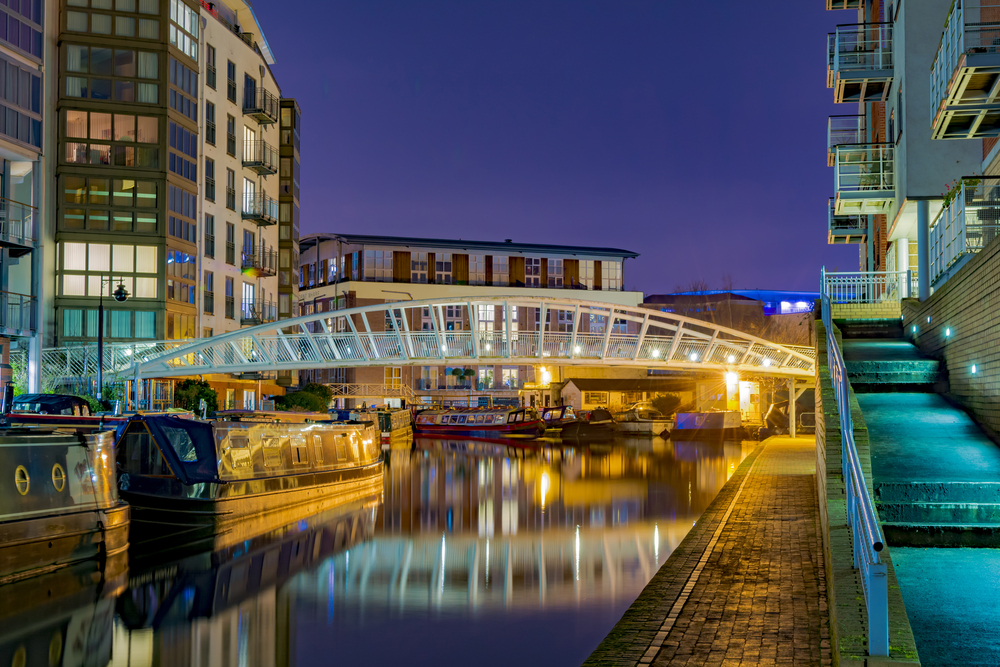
{"x": 937, "y": 492}
{"x": 870, "y": 328}
{"x": 891, "y": 365}
{"x": 905, "y": 534}
{"x": 939, "y": 513}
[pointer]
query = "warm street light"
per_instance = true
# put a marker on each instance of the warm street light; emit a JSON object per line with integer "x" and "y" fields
{"x": 120, "y": 295}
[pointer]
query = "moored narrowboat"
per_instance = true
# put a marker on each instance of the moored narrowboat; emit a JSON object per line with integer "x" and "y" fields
{"x": 645, "y": 420}
{"x": 188, "y": 479}
{"x": 479, "y": 422}
{"x": 62, "y": 411}
{"x": 61, "y": 505}
{"x": 712, "y": 425}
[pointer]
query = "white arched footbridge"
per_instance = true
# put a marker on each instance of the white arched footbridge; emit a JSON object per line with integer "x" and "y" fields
{"x": 421, "y": 333}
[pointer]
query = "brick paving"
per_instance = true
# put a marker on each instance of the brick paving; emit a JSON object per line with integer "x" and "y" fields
{"x": 747, "y": 585}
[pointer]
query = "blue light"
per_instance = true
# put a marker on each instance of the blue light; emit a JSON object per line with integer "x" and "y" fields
{"x": 973, "y": 369}
{"x": 947, "y": 332}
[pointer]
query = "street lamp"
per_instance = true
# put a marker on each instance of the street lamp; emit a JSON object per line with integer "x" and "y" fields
{"x": 120, "y": 295}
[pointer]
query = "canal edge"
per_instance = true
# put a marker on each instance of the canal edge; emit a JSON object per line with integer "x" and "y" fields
{"x": 631, "y": 642}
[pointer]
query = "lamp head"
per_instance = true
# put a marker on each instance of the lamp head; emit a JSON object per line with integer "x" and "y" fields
{"x": 120, "y": 293}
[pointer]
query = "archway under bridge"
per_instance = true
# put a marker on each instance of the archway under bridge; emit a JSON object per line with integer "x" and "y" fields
{"x": 566, "y": 332}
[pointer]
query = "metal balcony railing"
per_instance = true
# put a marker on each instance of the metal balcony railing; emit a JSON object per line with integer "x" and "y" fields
{"x": 845, "y": 4}
{"x": 260, "y": 105}
{"x": 866, "y": 286}
{"x": 260, "y": 208}
{"x": 260, "y": 156}
{"x": 231, "y": 90}
{"x": 859, "y": 62}
{"x": 965, "y": 73}
{"x": 851, "y": 228}
{"x": 230, "y": 253}
{"x": 258, "y": 311}
{"x": 17, "y": 312}
{"x": 862, "y": 519}
{"x": 865, "y": 168}
{"x": 209, "y": 302}
{"x": 260, "y": 262}
{"x": 210, "y": 189}
{"x": 842, "y": 130}
{"x": 210, "y": 246}
{"x": 231, "y": 144}
{"x": 230, "y": 308}
{"x": 966, "y": 225}
{"x": 210, "y": 132}
{"x": 210, "y": 76}
{"x": 17, "y": 226}
{"x": 231, "y": 199}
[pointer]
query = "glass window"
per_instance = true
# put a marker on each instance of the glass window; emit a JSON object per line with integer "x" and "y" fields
{"x": 418, "y": 267}
{"x": 501, "y": 270}
{"x": 100, "y": 24}
{"x": 555, "y": 273}
{"x": 74, "y": 256}
{"x": 378, "y": 265}
{"x": 76, "y": 21}
{"x": 477, "y": 269}
{"x": 532, "y": 271}
{"x": 442, "y": 268}
{"x": 587, "y": 273}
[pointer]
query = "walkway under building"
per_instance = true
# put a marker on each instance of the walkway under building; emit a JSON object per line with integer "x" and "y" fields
{"x": 747, "y": 585}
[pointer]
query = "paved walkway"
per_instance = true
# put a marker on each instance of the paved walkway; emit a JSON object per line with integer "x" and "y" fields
{"x": 747, "y": 585}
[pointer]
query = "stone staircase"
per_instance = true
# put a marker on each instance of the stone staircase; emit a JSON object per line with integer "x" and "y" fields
{"x": 935, "y": 473}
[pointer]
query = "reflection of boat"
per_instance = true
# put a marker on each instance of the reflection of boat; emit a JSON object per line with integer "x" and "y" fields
{"x": 479, "y": 446}
{"x": 197, "y": 477}
{"x": 598, "y": 425}
{"x": 716, "y": 424}
{"x": 479, "y": 422}
{"x": 395, "y": 424}
{"x": 61, "y": 506}
{"x": 643, "y": 419}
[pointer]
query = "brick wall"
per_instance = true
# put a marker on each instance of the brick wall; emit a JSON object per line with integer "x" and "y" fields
{"x": 967, "y": 304}
{"x": 866, "y": 311}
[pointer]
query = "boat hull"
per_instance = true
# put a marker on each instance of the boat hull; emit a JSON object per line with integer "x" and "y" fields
{"x": 651, "y": 428}
{"x": 707, "y": 426}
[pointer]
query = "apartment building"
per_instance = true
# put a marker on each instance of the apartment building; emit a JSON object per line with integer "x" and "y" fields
{"x": 26, "y": 50}
{"x": 891, "y": 171}
{"x": 339, "y": 271}
{"x": 167, "y": 174}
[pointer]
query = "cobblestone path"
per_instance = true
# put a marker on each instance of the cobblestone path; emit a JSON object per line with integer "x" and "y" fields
{"x": 747, "y": 584}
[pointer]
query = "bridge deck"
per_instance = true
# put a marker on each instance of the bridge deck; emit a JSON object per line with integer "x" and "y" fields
{"x": 747, "y": 585}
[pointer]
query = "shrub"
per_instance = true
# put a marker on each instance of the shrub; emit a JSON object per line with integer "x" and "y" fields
{"x": 667, "y": 404}
{"x": 320, "y": 390}
{"x": 301, "y": 400}
{"x": 188, "y": 394}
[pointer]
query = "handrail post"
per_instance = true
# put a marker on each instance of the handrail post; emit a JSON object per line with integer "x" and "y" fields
{"x": 878, "y": 609}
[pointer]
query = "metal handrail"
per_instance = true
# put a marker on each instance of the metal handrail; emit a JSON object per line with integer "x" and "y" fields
{"x": 17, "y": 222}
{"x": 866, "y": 529}
{"x": 969, "y": 223}
{"x": 866, "y": 286}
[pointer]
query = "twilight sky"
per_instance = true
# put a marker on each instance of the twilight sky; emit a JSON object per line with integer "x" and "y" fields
{"x": 693, "y": 133}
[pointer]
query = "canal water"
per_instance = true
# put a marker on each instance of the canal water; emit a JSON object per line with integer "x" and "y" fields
{"x": 474, "y": 553}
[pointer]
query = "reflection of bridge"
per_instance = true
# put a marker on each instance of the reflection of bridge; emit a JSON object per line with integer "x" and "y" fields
{"x": 571, "y": 332}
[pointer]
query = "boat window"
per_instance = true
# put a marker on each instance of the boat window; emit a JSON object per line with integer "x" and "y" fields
{"x": 139, "y": 454}
{"x": 341, "y": 446}
{"x": 181, "y": 441}
{"x": 461, "y": 419}
{"x": 318, "y": 447}
{"x": 453, "y": 419}
{"x": 511, "y": 418}
{"x": 271, "y": 446}
{"x": 299, "y": 454}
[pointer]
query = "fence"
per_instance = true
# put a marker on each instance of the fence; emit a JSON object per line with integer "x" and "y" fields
{"x": 867, "y": 287}
{"x": 861, "y": 518}
{"x": 966, "y": 225}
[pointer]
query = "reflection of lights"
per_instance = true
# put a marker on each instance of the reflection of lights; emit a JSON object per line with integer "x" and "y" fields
{"x": 767, "y": 362}
{"x": 576, "y": 554}
{"x": 487, "y": 563}
{"x": 693, "y": 357}
{"x": 546, "y": 376}
{"x": 444, "y": 348}
{"x": 656, "y": 543}
{"x": 576, "y": 350}
{"x": 487, "y": 348}
{"x": 731, "y": 359}
{"x": 732, "y": 378}
{"x": 656, "y": 353}
{"x": 441, "y": 580}
{"x": 914, "y": 328}
{"x": 544, "y": 487}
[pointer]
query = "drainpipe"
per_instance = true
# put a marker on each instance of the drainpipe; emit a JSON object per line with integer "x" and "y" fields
{"x": 923, "y": 250}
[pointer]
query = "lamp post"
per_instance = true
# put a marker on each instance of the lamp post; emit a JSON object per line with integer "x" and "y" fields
{"x": 120, "y": 295}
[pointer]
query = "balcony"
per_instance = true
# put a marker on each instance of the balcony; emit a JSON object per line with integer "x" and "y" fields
{"x": 842, "y": 130}
{"x": 843, "y": 229}
{"x": 17, "y": 227}
{"x": 260, "y": 156}
{"x": 17, "y": 314}
{"x": 845, "y": 4}
{"x": 859, "y": 63}
{"x": 260, "y": 209}
{"x": 864, "y": 179}
{"x": 966, "y": 224}
{"x": 965, "y": 74}
{"x": 260, "y": 105}
{"x": 260, "y": 262}
{"x": 258, "y": 312}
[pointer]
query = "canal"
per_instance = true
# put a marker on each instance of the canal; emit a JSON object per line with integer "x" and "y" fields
{"x": 474, "y": 553}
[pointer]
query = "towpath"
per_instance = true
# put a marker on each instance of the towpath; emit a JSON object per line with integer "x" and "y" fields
{"x": 747, "y": 584}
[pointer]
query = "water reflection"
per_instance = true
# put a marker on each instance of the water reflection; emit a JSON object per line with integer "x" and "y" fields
{"x": 489, "y": 552}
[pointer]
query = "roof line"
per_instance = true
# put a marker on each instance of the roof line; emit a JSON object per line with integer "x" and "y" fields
{"x": 310, "y": 239}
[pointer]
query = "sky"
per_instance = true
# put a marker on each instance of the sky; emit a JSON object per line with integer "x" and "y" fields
{"x": 692, "y": 133}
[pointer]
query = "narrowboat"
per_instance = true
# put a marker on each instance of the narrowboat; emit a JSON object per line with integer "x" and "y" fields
{"x": 62, "y": 411}
{"x": 189, "y": 480}
{"x": 62, "y": 506}
{"x": 596, "y": 425}
{"x": 644, "y": 419}
{"x": 479, "y": 422}
{"x": 712, "y": 425}
{"x": 395, "y": 424}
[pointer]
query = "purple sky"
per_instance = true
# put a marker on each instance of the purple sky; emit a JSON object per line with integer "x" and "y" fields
{"x": 693, "y": 133}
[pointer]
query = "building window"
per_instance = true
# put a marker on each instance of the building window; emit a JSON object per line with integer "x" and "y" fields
{"x": 595, "y": 397}
{"x": 210, "y": 179}
{"x": 442, "y": 268}
{"x": 231, "y": 81}
{"x": 208, "y": 297}
{"x": 209, "y": 235}
{"x": 209, "y": 123}
{"x": 487, "y": 317}
{"x": 21, "y": 93}
{"x": 428, "y": 377}
{"x": 555, "y": 271}
{"x": 182, "y": 204}
{"x": 230, "y": 135}
{"x": 83, "y": 265}
{"x": 393, "y": 377}
{"x": 378, "y": 266}
{"x": 184, "y": 100}
{"x": 181, "y": 276}
{"x": 587, "y": 273}
{"x": 453, "y": 318}
{"x": 230, "y": 244}
{"x": 230, "y": 189}
{"x": 477, "y": 269}
{"x": 184, "y": 28}
{"x": 24, "y": 21}
{"x": 532, "y": 272}
{"x": 116, "y": 74}
{"x": 185, "y": 143}
{"x": 611, "y": 276}
{"x": 79, "y": 323}
{"x": 501, "y": 271}
{"x": 210, "y": 66}
{"x": 115, "y": 139}
{"x": 418, "y": 267}
{"x": 509, "y": 378}
{"x": 102, "y": 204}
{"x": 230, "y": 308}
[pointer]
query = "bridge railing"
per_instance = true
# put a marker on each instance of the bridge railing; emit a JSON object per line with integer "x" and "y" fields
{"x": 866, "y": 286}
{"x": 861, "y": 517}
